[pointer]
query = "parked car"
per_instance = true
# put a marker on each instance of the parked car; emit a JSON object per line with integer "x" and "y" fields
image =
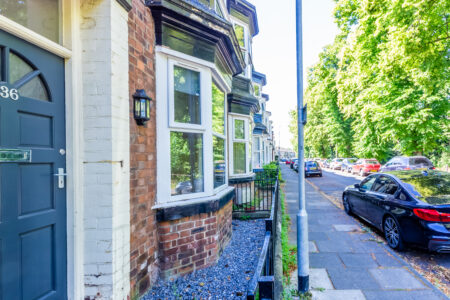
{"x": 292, "y": 162}
{"x": 295, "y": 165}
{"x": 347, "y": 164}
{"x": 336, "y": 164}
{"x": 312, "y": 168}
{"x": 327, "y": 163}
{"x": 410, "y": 207}
{"x": 407, "y": 163}
{"x": 365, "y": 166}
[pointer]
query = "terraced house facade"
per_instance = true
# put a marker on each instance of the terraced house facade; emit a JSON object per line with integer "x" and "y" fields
{"x": 124, "y": 126}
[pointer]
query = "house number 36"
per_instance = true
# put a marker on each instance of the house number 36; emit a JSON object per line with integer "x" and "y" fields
{"x": 6, "y": 92}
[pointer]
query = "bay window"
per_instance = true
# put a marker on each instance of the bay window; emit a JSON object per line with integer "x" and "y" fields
{"x": 191, "y": 130}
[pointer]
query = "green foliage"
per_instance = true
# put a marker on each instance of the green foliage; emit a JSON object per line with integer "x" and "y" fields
{"x": 383, "y": 86}
{"x": 271, "y": 169}
{"x": 289, "y": 257}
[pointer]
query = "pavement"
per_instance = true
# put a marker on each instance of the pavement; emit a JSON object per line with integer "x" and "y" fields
{"x": 347, "y": 261}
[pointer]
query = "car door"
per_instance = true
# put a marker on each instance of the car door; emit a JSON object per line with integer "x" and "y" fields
{"x": 357, "y": 197}
{"x": 381, "y": 195}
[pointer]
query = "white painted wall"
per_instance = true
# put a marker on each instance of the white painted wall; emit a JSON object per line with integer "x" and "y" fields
{"x": 104, "y": 40}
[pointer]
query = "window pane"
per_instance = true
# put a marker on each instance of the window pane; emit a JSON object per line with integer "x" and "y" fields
{"x": 218, "y": 110}
{"x": 187, "y": 96}
{"x": 239, "y": 158}
{"x": 186, "y": 162}
{"x": 17, "y": 68}
{"x": 367, "y": 183}
{"x": 41, "y": 16}
{"x": 256, "y": 88}
{"x": 385, "y": 185}
{"x": 219, "y": 161}
{"x": 239, "y": 30}
{"x": 250, "y": 156}
{"x": 239, "y": 129}
{"x": 35, "y": 88}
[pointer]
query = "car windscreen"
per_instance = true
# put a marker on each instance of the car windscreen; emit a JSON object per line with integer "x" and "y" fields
{"x": 352, "y": 160}
{"x": 420, "y": 161}
{"x": 432, "y": 187}
{"x": 338, "y": 159}
{"x": 311, "y": 164}
{"x": 372, "y": 162}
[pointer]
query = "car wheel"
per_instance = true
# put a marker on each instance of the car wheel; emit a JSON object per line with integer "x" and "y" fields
{"x": 346, "y": 204}
{"x": 361, "y": 173}
{"x": 392, "y": 233}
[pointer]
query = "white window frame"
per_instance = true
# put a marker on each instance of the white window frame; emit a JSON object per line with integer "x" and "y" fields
{"x": 203, "y": 81}
{"x": 246, "y": 119}
{"x": 246, "y": 47}
{"x": 216, "y": 80}
{"x": 258, "y": 151}
{"x": 166, "y": 59}
{"x": 205, "y": 111}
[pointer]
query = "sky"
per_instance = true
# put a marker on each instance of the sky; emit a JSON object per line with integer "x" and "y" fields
{"x": 274, "y": 52}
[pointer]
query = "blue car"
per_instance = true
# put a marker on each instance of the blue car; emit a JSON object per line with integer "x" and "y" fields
{"x": 410, "y": 207}
{"x": 312, "y": 168}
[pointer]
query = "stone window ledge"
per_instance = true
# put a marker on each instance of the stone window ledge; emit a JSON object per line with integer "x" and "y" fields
{"x": 180, "y": 209}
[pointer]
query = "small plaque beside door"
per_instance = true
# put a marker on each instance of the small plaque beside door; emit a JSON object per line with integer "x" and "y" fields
{"x": 15, "y": 155}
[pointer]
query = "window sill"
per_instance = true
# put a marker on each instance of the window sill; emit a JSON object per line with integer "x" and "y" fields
{"x": 180, "y": 209}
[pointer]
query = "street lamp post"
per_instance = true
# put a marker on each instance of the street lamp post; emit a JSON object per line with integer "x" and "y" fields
{"x": 302, "y": 216}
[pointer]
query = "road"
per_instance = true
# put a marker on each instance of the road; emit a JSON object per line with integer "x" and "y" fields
{"x": 435, "y": 267}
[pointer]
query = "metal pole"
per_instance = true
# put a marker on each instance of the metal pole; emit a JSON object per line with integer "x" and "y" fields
{"x": 302, "y": 216}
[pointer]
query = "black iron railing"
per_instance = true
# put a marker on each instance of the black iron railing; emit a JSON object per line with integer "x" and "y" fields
{"x": 263, "y": 280}
{"x": 255, "y": 194}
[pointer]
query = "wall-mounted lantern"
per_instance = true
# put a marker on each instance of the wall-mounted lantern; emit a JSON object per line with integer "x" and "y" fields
{"x": 141, "y": 107}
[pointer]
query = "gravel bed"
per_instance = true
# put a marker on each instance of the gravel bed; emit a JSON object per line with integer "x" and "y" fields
{"x": 226, "y": 280}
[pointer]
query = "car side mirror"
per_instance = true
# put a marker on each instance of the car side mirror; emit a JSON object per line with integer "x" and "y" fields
{"x": 357, "y": 186}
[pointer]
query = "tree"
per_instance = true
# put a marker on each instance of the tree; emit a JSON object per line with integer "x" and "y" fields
{"x": 383, "y": 86}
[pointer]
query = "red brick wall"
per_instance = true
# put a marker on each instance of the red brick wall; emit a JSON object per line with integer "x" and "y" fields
{"x": 144, "y": 237}
{"x": 195, "y": 242}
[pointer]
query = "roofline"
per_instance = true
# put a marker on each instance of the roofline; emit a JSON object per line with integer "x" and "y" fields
{"x": 248, "y": 9}
{"x": 259, "y": 76}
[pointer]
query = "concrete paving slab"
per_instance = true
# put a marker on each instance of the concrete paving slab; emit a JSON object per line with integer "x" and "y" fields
{"x": 358, "y": 260}
{"x": 352, "y": 278}
{"x": 325, "y": 260}
{"x": 316, "y": 227}
{"x": 317, "y": 236}
{"x": 338, "y": 295}
{"x": 312, "y": 247}
{"x": 346, "y": 227}
{"x": 396, "y": 279}
{"x": 401, "y": 295}
{"x": 386, "y": 260}
{"x": 319, "y": 279}
{"x": 334, "y": 246}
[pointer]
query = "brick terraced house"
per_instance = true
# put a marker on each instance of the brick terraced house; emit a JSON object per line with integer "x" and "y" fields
{"x": 124, "y": 126}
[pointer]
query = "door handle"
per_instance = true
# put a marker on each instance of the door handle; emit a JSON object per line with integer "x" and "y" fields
{"x": 60, "y": 176}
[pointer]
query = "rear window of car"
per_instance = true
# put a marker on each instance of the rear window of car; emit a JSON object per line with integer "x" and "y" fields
{"x": 311, "y": 164}
{"x": 338, "y": 159}
{"x": 420, "y": 161}
{"x": 352, "y": 160}
{"x": 432, "y": 187}
{"x": 372, "y": 162}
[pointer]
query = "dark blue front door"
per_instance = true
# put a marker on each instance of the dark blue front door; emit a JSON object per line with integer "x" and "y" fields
{"x": 32, "y": 149}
